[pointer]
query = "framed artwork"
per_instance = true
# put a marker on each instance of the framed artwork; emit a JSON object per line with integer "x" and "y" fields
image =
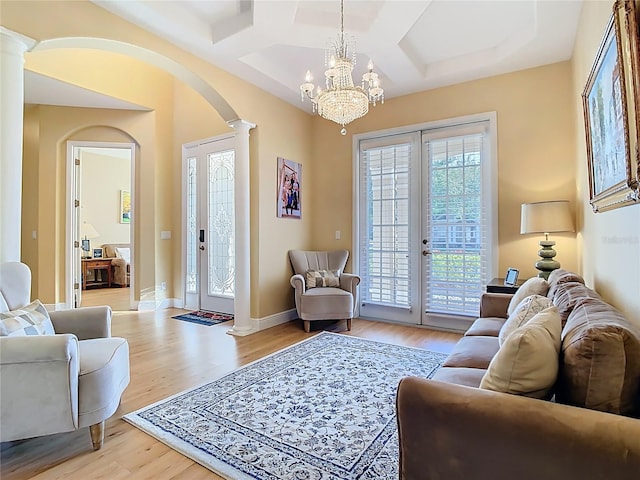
{"x": 289, "y": 201}
{"x": 611, "y": 101}
{"x": 125, "y": 206}
{"x": 97, "y": 253}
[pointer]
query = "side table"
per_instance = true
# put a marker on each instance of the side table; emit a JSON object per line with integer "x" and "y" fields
{"x": 94, "y": 265}
{"x": 497, "y": 286}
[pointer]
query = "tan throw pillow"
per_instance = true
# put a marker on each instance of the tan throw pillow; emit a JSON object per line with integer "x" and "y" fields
{"x": 533, "y": 286}
{"x": 30, "y": 320}
{"x": 525, "y": 311}
{"x": 527, "y": 363}
{"x": 322, "y": 278}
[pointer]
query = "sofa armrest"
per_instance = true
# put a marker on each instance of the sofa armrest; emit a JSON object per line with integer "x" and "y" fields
{"x": 494, "y": 305}
{"x": 39, "y": 377}
{"x": 456, "y": 432}
{"x": 85, "y": 323}
{"x": 349, "y": 282}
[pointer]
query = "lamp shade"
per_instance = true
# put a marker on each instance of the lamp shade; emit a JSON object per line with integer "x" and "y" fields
{"x": 546, "y": 217}
{"x": 89, "y": 231}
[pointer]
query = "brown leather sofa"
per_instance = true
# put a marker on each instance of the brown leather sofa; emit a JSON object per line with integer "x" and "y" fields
{"x": 450, "y": 429}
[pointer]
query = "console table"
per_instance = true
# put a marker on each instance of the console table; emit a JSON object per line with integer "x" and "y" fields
{"x": 94, "y": 265}
{"x": 497, "y": 286}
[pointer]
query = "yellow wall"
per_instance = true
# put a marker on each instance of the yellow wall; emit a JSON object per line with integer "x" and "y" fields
{"x": 535, "y": 154}
{"x": 609, "y": 242}
{"x": 47, "y": 171}
{"x": 282, "y": 130}
{"x": 103, "y": 178}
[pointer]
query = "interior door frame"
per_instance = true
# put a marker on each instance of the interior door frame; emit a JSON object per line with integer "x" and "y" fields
{"x": 489, "y": 179}
{"x": 72, "y": 227}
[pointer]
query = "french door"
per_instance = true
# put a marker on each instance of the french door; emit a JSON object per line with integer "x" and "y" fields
{"x": 210, "y": 232}
{"x": 425, "y": 224}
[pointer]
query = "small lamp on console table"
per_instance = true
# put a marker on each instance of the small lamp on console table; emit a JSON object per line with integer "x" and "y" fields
{"x": 546, "y": 217}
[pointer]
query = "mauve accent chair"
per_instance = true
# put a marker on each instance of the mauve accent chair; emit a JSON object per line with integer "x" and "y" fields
{"x": 323, "y": 303}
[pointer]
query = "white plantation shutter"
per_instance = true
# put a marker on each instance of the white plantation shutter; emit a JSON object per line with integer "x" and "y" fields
{"x": 455, "y": 224}
{"x": 385, "y": 212}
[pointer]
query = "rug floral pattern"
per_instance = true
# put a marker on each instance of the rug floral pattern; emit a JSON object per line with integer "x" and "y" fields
{"x": 320, "y": 409}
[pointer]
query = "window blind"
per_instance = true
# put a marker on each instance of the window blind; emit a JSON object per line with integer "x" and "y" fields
{"x": 385, "y": 240}
{"x": 455, "y": 222}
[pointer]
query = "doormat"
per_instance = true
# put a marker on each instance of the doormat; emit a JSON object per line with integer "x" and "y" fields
{"x": 204, "y": 318}
{"x": 323, "y": 408}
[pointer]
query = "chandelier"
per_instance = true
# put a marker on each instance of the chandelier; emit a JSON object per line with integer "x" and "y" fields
{"x": 342, "y": 101}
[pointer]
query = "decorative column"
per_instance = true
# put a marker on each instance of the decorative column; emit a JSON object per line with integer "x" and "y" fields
{"x": 242, "y": 324}
{"x": 13, "y": 46}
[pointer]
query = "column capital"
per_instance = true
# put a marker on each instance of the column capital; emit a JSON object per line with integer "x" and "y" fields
{"x": 14, "y": 42}
{"x": 240, "y": 125}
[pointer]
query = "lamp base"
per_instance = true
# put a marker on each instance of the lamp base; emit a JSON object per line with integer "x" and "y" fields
{"x": 547, "y": 264}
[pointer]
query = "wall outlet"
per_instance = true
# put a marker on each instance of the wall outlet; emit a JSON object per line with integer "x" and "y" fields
{"x": 165, "y": 235}
{"x": 163, "y": 286}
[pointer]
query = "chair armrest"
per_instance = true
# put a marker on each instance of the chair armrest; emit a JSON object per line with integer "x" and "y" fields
{"x": 455, "y": 432}
{"x": 494, "y": 305}
{"x": 85, "y": 323}
{"x": 349, "y": 282}
{"x": 297, "y": 282}
{"x": 39, "y": 377}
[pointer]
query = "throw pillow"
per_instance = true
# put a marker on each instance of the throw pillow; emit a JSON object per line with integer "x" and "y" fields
{"x": 30, "y": 320}
{"x": 525, "y": 311}
{"x": 533, "y": 286}
{"x": 322, "y": 278}
{"x": 124, "y": 253}
{"x": 527, "y": 363}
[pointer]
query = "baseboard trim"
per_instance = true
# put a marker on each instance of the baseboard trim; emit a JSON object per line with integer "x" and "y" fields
{"x": 275, "y": 319}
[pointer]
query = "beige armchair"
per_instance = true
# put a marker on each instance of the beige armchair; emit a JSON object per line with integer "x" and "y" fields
{"x": 58, "y": 382}
{"x": 319, "y": 294}
{"x": 121, "y": 263}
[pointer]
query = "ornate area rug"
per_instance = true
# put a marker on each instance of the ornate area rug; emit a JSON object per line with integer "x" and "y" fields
{"x": 202, "y": 317}
{"x": 321, "y": 409}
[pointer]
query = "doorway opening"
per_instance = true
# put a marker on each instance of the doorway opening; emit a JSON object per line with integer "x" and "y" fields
{"x": 100, "y": 246}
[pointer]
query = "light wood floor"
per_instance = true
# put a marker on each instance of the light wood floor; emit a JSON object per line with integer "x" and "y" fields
{"x": 117, "y": 298}
{"x": 169, "y": 356}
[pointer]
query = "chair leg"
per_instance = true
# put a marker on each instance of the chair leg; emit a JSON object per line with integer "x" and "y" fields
{"x": 97, "y": 435}
{"x": 307, "y": 326}
{"x": 348, "y": 324}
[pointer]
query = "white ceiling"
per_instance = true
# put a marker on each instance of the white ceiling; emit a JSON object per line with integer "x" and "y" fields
{"x": 415, "y": 44}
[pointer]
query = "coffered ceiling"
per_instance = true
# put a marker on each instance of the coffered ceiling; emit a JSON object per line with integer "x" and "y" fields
{"x": 415, "y": 44}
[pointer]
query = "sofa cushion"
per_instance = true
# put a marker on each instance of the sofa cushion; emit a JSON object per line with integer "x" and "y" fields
{"x": 525, "y": 311}
{"x": 472, "y": 352}
{"x": 322, "y": 278}
{"x": 469, "y": 377}
{"x": 30, "y": 320}
{"x": 600, "y": 360}
{"x": 533, "y": 286}
{"x": 558, "y": 276}
{"x": 489, "y": 327}
{"x": 527, "y": 362}
{"x": 124, "y": 253}
{"x": 566, "y": 295}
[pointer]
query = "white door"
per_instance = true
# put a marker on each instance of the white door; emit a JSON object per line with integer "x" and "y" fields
{"x": 210, "y": 232}
{"x": 425, "y": 230}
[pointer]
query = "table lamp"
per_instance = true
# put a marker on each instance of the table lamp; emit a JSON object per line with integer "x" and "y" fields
{"x": 546, "y": 217}
{"x": 88, "y": 231}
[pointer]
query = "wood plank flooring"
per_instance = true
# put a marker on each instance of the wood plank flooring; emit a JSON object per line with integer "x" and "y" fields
{"x": 168, "y": 356}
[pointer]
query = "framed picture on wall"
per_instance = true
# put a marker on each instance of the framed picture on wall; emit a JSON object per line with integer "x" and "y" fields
{"x": 125, "y": 206}
{"x": 611, "y": 100}
{"x": 289, "y": 199}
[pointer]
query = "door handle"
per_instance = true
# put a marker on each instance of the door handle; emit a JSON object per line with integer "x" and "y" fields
{"x": 425, "y": 253}
{"x": 202, "y": 235}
